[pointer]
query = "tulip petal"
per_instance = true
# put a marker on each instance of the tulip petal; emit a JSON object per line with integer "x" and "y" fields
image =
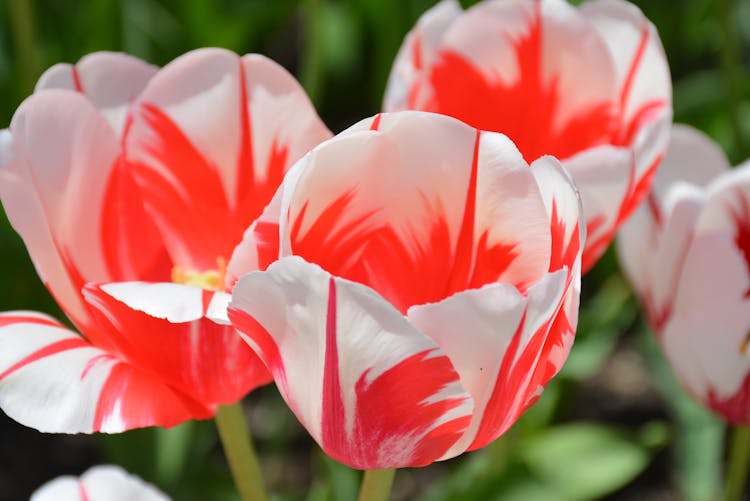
{"x": 410, "y": 71}
{"x": 714, "y": 292}
{"x": 590, "y": 86}
{"x": 372, "y": 390}
{"x": 110, "y": 80}
{"x": 53, "y": 380}
{"x": 100, "y": 483}
{"x": 181, "y": 333}
{"x": 452, "y": 222}
{"x": 713, "y": 368}
{"x": 494, "y": 337}
{"x": 210, "y": 140}
{"x": 564, "y": 210}
{"x": 260, "y": 245}
{"x": 603, "y": 186}
{"x": 692, "y": 157}
{"x": 652, "y": 244}
{"x": 54, "y": 164}
{"x": 645, "y": 87}
{"x": 503, "y": 66}
{"x": 568, "y": 237}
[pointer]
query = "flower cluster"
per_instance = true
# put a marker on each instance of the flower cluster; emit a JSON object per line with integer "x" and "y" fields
{"x": 410, "y": 284}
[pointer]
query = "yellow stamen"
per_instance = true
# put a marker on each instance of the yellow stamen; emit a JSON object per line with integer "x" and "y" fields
{"x": 745, "y": 343}
{"x": 208, "y": 279}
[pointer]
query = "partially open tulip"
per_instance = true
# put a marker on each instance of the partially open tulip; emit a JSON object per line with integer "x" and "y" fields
{"x": 686, "y": 251}
{"x": 588, "y": 85}
{"x": 114, "y": 171}
{"x": 101, "y": 483}
{"x": 426, "y": 289}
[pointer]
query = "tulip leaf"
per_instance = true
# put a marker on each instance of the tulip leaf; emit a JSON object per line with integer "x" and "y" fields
{"x": 601, "y": 321}
{"x": 699, "y": 437}
{"x": 585, "y": 461}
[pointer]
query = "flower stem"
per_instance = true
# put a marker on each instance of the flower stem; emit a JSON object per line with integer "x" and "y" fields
{"x": 238, "y": 448}
{"x": 731, "y": 64}
{"x": 24, "y": 41}
{"x": 739, "y": 459}
{"x": 376, "y": 485}
{"x": 312, "y": 75}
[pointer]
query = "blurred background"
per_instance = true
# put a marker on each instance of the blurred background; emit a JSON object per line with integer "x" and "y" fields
{"x": 612, "y": 425}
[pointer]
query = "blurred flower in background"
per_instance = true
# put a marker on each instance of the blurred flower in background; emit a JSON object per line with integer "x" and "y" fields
{"x": 590, "y": 86}
{"x": 101, "y": 483}
{"x": 687, "y": 253}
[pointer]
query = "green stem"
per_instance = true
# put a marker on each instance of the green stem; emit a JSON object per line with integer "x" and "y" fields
{"x": 172, "y": 451}
{"x": 739, "y": 460}
{"x": 376, "y": 485}
{"x": 24, "y": 41}
{"x": 731, "y": 61}
{"x": 312, "y": 52}
{"x": 238, "y": 448}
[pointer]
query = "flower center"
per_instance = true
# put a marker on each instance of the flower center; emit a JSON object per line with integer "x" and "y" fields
{"x": 207, "y": 279}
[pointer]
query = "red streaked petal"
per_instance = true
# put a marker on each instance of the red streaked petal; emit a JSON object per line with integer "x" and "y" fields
{"x": 565, "y": 212}
{"x": 260, "y": 245}
{"x": 55, "y": 381}
{"x": 371, "y": 389}
{"x": 603, "y": 187}
{"x": 210, "y": 140}
{"x": 641, "y": 65}
{"x": 134, "y": 246}
{"x": 179, "y": 334}
{"x": 181, "y": 190}
{"x": 410, "y": 72}
{"x": 557, "y": 80}
{"x": 516, "y": 68}
{"x": 494, "y": 336}
{"x": 415, "y": 221}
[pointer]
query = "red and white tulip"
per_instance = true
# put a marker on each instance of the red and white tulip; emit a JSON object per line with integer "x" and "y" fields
{"x": 588, "y": 85}
{"x": 426, "y": 287}
{"x": 100, "y": 483}
{"x": 115, "y": 171}
{"x": 686, "y": 251}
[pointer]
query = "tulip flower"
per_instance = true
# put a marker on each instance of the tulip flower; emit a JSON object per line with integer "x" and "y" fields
{"x": 687, "y": 253}
{"x": 130, "y": 187}
{"x": 588, "y": 85}
{"x": 424, "y": 288}
{"x": 101, "y": 483}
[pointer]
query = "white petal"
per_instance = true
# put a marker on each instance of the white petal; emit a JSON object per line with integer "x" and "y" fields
{"x": 100, "y": 483}
{"x": 328, "y": 340}
{"x": 110, "y": 80}
{"x": 56, "y": 160}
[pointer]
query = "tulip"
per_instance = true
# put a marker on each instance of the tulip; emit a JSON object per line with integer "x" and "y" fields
{"x": 101, "y": 483}
{"x": 687, "y": 253}
{"x": 423, "y": 288}
{"x": 588, "y": 85}
{"x": 130, "y": 187}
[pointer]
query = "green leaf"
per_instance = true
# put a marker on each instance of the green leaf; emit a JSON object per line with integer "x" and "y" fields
{"x": 602, "y": 318}
{"x": 584, "y": 460}
{"x": 699, "y": 436}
